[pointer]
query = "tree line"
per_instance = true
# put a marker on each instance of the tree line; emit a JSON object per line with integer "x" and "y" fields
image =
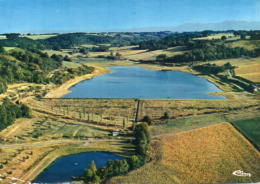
{"x": 71, "y": 40}
{"x": 66, "y": 74}
{"x": 208, "y": 52}
{"x": 121, "y": 167}
{"x": 212, "y": 68}
{"x": 9, "y": 112}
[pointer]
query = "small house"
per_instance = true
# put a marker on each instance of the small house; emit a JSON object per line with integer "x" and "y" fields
{"x": 115, "y": 133}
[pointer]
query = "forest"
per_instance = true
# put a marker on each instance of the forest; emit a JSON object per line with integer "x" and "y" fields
{"x": 10, "y": 111}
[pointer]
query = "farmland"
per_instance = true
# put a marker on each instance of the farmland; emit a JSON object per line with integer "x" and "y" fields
{"x": 250, "y": 128}
{"x": 230, "y": 36}
{"x": 190, "y": 145}
{"x": 188, "y": 157}
{"x": 247, "y": 44}
{"x": 40, "y": 37}
{"x": 119, "y": 111}
{"x": 30, "y": 145}
{"x": 67, "y": 126}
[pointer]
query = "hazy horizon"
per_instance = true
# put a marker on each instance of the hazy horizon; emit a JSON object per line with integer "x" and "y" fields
{"x": 48, "y": 16}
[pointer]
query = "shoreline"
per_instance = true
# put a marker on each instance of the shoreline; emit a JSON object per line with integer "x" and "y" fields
{"x": 64, "y": 88}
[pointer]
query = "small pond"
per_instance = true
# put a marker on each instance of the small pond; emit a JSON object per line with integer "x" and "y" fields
{"x": 66, "y": 167}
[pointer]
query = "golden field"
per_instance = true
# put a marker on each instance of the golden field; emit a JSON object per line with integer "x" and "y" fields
{"x": 205, "y": 155}
{"x": 248, "y": 68}
{"x": 247, "y": 44}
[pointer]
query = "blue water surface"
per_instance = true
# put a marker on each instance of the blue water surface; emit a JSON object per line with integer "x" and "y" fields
{"x": 139, "y": 82}
{"x": 64, "y": 168}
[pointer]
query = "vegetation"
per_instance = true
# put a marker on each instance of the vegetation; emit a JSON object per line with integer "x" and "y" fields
{"x": 207, "y": 52}
{"x": 250, "y": 128}
{"x": 188, "y": 157}
{"x": 9, "y": 112}
{"x": 213, "y": 68}
{"x": 71, "y": 40}
{"x": 121, "y": 167}
{"x": 66, "y": 74}
{"x": 25, "y": 66}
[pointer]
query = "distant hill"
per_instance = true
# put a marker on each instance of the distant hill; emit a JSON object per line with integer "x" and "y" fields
{"x": 219, "y": 26}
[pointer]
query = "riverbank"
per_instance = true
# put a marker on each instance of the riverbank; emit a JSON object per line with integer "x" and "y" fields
{"x": 64, "y": 88}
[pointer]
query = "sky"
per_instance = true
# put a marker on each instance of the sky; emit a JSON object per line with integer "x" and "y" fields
{"x": 116, "y": 15}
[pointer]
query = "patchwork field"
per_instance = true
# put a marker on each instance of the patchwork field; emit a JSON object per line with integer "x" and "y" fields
{"x": 46, "y": 129}
{"x": 204, "y": 155}
{"x": 247, "y": 68}
{"x": 230, "y": 36}
{"x": 151, "y": 55}
{"x": 120, "y": 112}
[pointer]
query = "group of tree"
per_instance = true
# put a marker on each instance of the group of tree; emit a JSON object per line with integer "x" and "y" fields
{"x": 25, "y": 66}
{"x": 207, "y": 52}
{"x": 212, "y": 68}
{"x": 10, "y": 111}
{"x": 61, "y": 76}
{"x": 121, "y": 167}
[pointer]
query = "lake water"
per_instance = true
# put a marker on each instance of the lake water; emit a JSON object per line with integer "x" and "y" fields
{"x": 65, "y": 167}
{"x": 139, "y": 82}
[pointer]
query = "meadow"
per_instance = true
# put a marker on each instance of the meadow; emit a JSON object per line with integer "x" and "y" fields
{"x": 247, "y": 44}
{"x": 250, "y": 128}
{"x": 244, "y": 67}
{"x": 40, "y": 37}
{"x": 230, "y": 36}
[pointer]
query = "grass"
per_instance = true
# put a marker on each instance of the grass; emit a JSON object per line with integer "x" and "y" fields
{"x": 250, "y": 72}
{"x": 247, "y": 44}
{"x": 205, "y": 155}
{"x": 247, "y": 68}
{"x": 250, "y": 128}
{"x": 27, "y": 162}
{"x": 230, "y": 36}
{"x": 40, "y": 37}
{"x": 151, "y": 55}
{"x": 113, "y": 111}
{"x": 71, "y": 64}
{"x": 184, "y": 124}
{"x": 46, "y": 129}
{"x": 33, "y": 155}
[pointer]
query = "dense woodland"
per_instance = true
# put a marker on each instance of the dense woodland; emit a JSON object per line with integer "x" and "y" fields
{"x": 121, "y": 167}
{"x": 25, "y": 66}
{"x": 10, "y": 111}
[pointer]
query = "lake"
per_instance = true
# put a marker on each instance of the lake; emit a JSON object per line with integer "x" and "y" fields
{"x": 65, "y": 167}
{"x": 139, "y": 82}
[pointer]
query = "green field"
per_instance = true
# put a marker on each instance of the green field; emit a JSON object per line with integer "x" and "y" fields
{"x": 250, "y": 128}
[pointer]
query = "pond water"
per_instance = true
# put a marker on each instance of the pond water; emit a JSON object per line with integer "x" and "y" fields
{"x": 66, "y": 167}
{"x": 139, "y": 82}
